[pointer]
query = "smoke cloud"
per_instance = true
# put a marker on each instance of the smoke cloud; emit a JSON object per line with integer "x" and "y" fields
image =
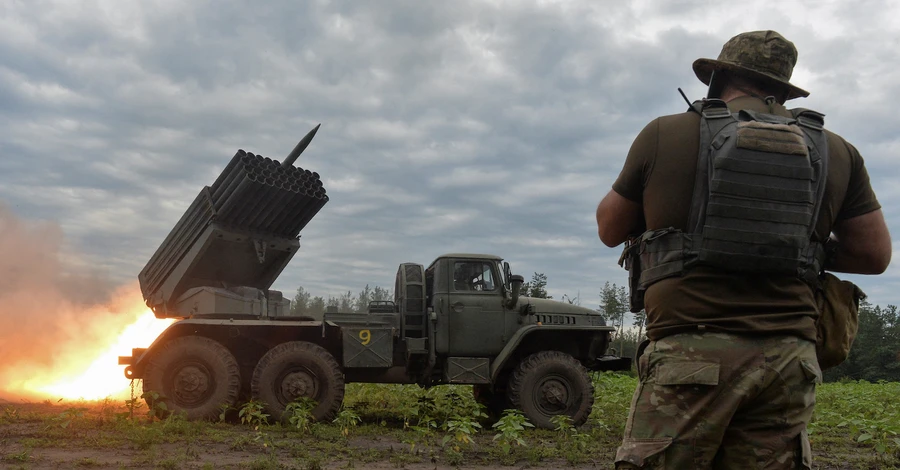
{"x": 56, "y": 316}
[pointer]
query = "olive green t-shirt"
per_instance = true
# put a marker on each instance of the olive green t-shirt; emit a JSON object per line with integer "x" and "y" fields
{"x": 659, "y": 174}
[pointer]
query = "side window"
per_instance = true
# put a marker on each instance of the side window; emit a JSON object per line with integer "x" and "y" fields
{"x": 487, "y": 276}
{"x": 473, "y": 276}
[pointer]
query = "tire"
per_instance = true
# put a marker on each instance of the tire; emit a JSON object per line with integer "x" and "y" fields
{"x": 194, "y": 375}
{"x": 410, "y": 298}
{"x": 551, "y": 383}
{"x": 297, "y": 369}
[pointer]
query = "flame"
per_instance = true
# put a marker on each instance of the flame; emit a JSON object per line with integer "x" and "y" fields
{"x": 62, "y": 322}
{"x": 104, "y": 377}
{"x": 87, "y": 367}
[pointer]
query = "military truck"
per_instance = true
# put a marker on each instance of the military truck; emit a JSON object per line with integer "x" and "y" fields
{"x": 460, "y": 320}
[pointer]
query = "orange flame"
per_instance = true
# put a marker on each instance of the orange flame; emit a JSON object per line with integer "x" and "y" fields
{"x": 104, "y": 377}
{"x": 61, "y": 322}
{"x": 86, "y": 367}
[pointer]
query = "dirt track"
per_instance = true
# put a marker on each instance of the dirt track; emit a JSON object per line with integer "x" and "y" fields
{"x": 47, "y": 435}
{"x": 75, "y": 435}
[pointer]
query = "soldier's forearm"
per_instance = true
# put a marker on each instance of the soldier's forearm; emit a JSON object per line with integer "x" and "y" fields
{"x": 853, "y": 258}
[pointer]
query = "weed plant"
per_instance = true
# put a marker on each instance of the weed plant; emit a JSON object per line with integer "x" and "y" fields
{"x": 253, "y": 414}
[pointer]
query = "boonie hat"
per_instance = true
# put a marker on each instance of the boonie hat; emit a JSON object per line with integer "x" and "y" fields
{"x": 760, "y": 55}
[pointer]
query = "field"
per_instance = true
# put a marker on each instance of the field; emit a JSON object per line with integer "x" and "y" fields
{"x": 857, "y": 425}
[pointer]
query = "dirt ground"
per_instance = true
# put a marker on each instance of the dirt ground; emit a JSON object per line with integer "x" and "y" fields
{"x": 59, "y": 435}
{"x": 55, "y": 436}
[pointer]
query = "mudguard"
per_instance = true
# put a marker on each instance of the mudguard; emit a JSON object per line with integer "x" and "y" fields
{"x": 526, "y": 330}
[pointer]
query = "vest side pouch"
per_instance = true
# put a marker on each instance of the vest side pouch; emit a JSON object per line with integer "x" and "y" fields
{"x": 655, "y": 255}
{"x": 662, "y": 256}
{"x": 838, "y": 322}
{"x": 631, "y": 261}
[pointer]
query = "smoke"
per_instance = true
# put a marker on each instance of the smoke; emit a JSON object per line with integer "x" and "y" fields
{"x": 55, "y": 315}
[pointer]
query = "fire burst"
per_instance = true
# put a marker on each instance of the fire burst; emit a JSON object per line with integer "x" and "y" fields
{"x": 104, "y": 377}
{"x": 61, "y": 325}
{"x": 88, "y": 368}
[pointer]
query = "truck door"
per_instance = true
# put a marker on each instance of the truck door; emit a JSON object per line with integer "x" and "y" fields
{"x": 475, "y": 312}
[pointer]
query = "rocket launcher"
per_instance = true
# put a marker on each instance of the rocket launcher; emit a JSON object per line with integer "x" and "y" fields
{"x": 235, "y": 239}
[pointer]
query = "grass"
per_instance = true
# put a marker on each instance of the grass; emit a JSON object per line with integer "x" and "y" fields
{"x": 859, "y": 415}
{"x": 856, "y": 425}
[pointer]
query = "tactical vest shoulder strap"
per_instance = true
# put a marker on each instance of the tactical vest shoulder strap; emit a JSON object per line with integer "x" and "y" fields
{"x": 813, "y": 124}
{"x": 809, "y": 118}
{"x": 714, "y": 116}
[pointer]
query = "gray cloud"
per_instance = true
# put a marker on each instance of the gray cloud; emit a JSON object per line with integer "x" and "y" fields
{"x": 465, "y": 126}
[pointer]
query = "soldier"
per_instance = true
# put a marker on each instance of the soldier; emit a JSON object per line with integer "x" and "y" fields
{"x": 734, "y": 219}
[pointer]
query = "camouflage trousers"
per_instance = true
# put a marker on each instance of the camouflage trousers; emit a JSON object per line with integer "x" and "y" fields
{"x": 713, "y": 400}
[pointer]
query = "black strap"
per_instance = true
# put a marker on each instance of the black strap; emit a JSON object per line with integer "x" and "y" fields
{"x": 714, "y": 116}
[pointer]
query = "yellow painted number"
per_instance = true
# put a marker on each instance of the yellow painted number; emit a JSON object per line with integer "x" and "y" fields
{"x": 365, "y": 336}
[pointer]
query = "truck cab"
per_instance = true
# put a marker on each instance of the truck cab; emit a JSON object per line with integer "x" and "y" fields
{"x": 481, "y": 325}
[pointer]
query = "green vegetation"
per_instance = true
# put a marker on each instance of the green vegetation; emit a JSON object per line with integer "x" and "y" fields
{"x": 865, "y": 415}
{"x": 253, "y": 414}
{"x": 875, "y": 355}
{"x": 856, "y": 425}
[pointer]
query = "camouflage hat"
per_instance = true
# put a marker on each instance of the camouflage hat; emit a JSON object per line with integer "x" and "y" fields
{"x": 760, "y": 55}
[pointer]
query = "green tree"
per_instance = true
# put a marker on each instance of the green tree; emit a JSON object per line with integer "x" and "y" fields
{"x": 613, "y": 304}
{"x": 300, "y": 303}
{"x": 380, "y": 293}
{"x": 614, "y": 307}
{"x": 361, "y": 304}
{"x": 345, "y": 302}
{"x": 316, "y": 307}
{"x": 305, "y": 304}
{"x": 537, "y": 287}
{"x": 875, "y": 354}
{"x": 640, "y": 320}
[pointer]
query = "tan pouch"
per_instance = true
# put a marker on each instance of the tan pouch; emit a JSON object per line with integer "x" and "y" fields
{"x": 838, "y": 304}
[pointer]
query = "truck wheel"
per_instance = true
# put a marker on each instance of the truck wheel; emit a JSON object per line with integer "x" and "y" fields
{"x": 299, "y": 369}
{"x": 193, "y": 375}
{"x": 551, "y": 383}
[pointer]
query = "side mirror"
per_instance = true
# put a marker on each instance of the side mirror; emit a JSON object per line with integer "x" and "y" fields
{"x": 516, "y": 281}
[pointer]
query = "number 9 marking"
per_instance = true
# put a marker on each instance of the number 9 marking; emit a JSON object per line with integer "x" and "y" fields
{"x": 365, "y": 336}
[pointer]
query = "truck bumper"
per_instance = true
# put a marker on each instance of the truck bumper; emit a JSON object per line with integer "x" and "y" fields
{"x": 130, "y": 361}
{"x": 609, "y": 363}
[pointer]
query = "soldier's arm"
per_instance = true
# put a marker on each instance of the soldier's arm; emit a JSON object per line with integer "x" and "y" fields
{"x": 618, "y": 218}
{"x": 621, "y": 213}
{"x": 863, "y": 245}
{"x": 859, "y": 231}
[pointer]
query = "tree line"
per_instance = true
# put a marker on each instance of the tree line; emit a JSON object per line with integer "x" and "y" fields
{"x": 875, "y": 354}
{"x": 304, "y": 304}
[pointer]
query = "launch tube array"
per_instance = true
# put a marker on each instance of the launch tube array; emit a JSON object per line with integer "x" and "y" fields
{"x": 253, "y": 194}
{"x": 259, "y": 194}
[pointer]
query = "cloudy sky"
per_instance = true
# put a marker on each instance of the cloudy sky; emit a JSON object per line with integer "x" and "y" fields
{"x": 482, "y": 126}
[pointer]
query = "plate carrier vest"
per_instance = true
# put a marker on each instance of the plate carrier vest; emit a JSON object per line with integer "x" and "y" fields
{"x": 758, "y": 190}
